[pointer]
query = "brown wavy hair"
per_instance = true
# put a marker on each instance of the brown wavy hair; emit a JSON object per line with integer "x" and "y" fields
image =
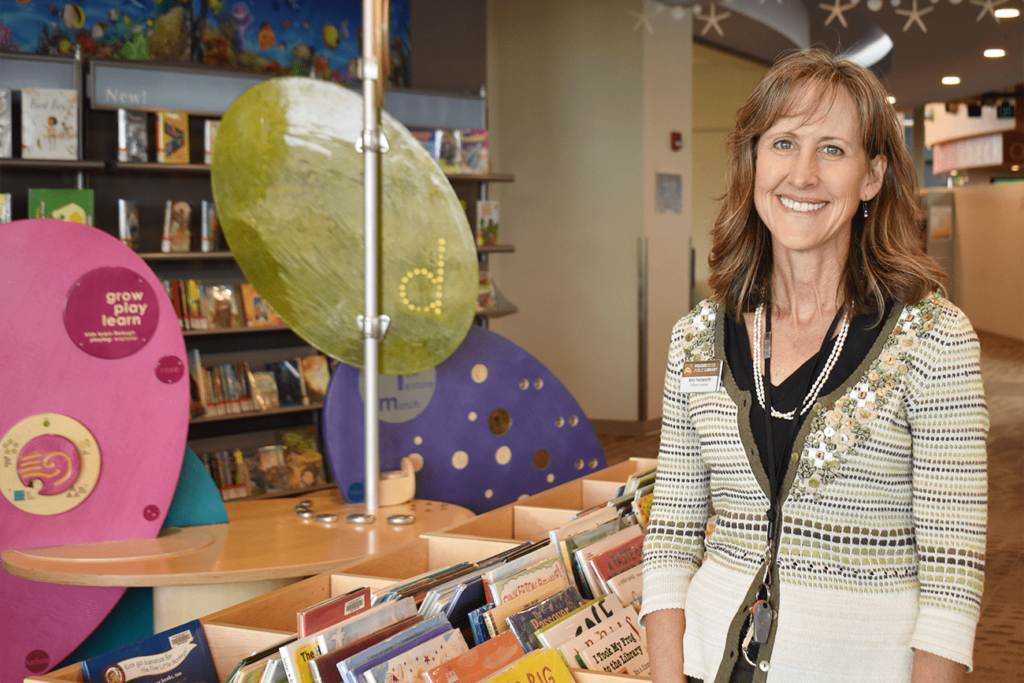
{"x": 886, "y": 262}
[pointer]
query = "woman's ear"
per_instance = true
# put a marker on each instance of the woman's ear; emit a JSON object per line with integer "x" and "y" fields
{"x": 873, "y": 180}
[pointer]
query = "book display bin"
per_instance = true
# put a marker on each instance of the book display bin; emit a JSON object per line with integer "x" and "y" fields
{"x": 238, "y": 631}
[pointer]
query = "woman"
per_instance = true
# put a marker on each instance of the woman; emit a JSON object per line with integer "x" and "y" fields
{"x": 850, "y": 535}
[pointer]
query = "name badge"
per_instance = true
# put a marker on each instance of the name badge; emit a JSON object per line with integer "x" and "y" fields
{"x": 701, "y": 376}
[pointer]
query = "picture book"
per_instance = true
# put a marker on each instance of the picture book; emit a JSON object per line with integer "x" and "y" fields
{"x": 448, "y": 150}
{"x": 587, "y": 538}
{"x": 628, "y": 586}
{"x": 258, "y": 313}
{"x": 197, "y": 382}
{"x": 526, "y": 622}
{"x": 495, "y": 618}
{"x": 584, "y": 555}
{"x": 209, "y": 136}
{"x": 209, "y": 227}
{"x": 303, "y": 457}
{"x": 6, "y": 125}
{"x": 5, "y": 207}
{"x": 486, "y": 222}
{"x": 290, "y": 387}
{"x": 128, "y": 223}
{"x": 605, "y": 562}
{"x": 579, "y": 620}
{"x": 625, "y": 617}
{"x": 245, "y": 383}
{"x": 324, "y": 667}
{"x": 479, "y": 663}
{"x": 355, "y": 666}
{"x": 194, "y": 305}
{"x": 132, "y": 136}
{"x": 180, "y": 654}
{"x": 642, "y": 509}
{"x": 486, "y": 294}
{"x": 477, "y": 625}
{"x": 67, "y": 205}
{"x": 332, "y": 611}
{"x": 49, "y": 124}
{"x": 541, "y": 665}
{"x": 529, "y": 578}
{"x": 264, "y": 393}
{"x": 620, "y": 651}
{"x": 533, "y": 555}
{"x": 172, "y": 137}
{"x": 177, "y": 227}
{"x": 475, "y": 155}
{"x": 317, "y": 375}
{"x": 426, "y": 137}
{"x": 583, "y": 523}
{"x": 252, "y": 668}
{"x": 271, "y": 466}
{"x": 366, "y": 624}
{"x": 409, "y": 666}
{"x": 221, "y": 306}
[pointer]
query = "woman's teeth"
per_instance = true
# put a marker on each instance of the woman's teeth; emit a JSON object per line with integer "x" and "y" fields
{"x": 800, "y": 206}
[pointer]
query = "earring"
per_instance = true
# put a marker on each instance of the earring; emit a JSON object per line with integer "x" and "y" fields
{"x": 865, "y": 209}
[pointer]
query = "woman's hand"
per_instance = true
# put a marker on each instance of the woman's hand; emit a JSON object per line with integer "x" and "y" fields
{"x": 928, "y": 667}
{"x": 665, "y": 630}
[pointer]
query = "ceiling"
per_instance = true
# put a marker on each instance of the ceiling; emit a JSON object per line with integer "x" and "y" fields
{"x": 913, "y": 68}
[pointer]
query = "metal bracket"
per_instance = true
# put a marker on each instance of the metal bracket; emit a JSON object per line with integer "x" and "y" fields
{"x": 374, "y": 328}
{"x": 373, "y": 141}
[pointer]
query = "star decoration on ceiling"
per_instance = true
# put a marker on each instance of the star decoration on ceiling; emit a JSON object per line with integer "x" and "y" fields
{"x": 836, "y": 12}
{"x": 914, "y": 16}
{"x": 711, "y": 21}
{"x": 643, "y": 19}
{"x": 988, "y": 7}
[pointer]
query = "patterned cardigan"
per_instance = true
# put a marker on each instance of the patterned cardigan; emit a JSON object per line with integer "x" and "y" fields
{"x": 882, "y": 534}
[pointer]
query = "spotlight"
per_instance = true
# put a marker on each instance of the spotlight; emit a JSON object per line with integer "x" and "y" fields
{"x": 950, "y": 80}
{"x": 994, "y": 53}
{"x": 1007, "y": 13}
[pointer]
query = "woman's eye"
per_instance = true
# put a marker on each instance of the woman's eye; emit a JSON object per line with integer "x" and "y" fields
{"x": 832, "y": 150}
{"x": 783, "y": 144}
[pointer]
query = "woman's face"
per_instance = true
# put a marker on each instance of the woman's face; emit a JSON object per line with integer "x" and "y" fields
{"x": 812, "y": 173}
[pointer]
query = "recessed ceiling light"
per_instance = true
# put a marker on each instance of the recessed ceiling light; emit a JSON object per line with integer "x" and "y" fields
{"x": 950, "y": 80}
{"x": 1007, "y": 13}
{"x": 994, "y": 53}
{"x": 892, "y": 100}
{"x": 1015, "y": 168}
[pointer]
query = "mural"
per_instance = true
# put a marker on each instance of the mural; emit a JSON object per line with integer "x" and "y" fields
{"x": 297, "y": 37}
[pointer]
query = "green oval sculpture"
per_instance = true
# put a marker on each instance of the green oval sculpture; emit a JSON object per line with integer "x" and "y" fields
{"x": 288, "y": 186}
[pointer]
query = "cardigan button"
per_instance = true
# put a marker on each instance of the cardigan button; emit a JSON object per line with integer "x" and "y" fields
{"x": 763, "y": 665}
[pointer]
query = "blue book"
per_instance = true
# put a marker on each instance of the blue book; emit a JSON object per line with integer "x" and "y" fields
{"x": 351, "y": 668}
{"x": 477, "y": 625}
{"x": 526, "y": 623}
{"x": 179, "y": 654}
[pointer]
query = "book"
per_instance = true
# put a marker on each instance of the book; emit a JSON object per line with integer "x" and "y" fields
{"x": 479, "y": 663}
{"x": 475, "y": 154}
{"x": 220, "y": 306}
{"x": 209, "y": 227}
{"x": 209, "y": 137}
{"x": 172, "y": 137}
{"x": 128, "y": 223}
{"x": 264, "y": 395}
{"x": 495, "y": 618}
{"x": 258, "y": 313}
{"x": 180, "y": 654}
{"x": 448, "y": 150}
{"x": 627, "y": 616}
{"x": 426, "y": 137}
{"x": 302, "y": 456}
{"x": 316, "y": 375}
{"x": 587, "y": 538}
{"x": 324, "y": 667}
{"x": 290, "y": 387}
{"x": 528, "y": 578}
{"x": 619, "y": 651}
{"x": 526, "y": 622}
{"x": 5, "y": 207}
{"x": 578, "y": 621}
{"x": 197, "y": 384}
{"x": 177, "y": 237}
{"x": 245, "y": 386}
{"x": 273, "y": 472}
{"x": 194, "y": 305}
{"x": 628, "y": 586}
{"x": 539, "y": 666}
{"x": 252, "y": 668}
{"x": 606, "y": 562}
{"x": 132, "y": 136}
{"x": 409, "y": 666}
{"x": 584, "y": 522}
{"x": 477, "y": 626}
{"x": 486, "y": 222}
{"x": 6, "y": 125}
{"x": 353, "y": 668}
{"x": 583, "y": 556}
{"x": 66, "y": 205}
{"x": 332, "y": 611}
{"x": 49, "y": 124}
{"x": 486, "y": 293}
{"x": 367, "y": 623}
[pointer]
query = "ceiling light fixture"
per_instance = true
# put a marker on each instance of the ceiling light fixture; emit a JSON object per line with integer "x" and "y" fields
{"x": 1007, "y": 13}
{"x": 1015, "y": 168}
{"x": 994, "y": 53}
{"x": 950, "y": 80}
{"x": 892, "y": 100}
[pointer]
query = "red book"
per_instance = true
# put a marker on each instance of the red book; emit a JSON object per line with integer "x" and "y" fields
{"x": 618, "y": 559}
{"x": 325, "y": 667}
{"x": 332, "y": 611}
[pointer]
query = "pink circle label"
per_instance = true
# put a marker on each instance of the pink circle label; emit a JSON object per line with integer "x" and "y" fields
{"x": 37, "y": 661}
{"x": 170, "y": 369}
{"x": 51, "y": 459}
{"x": 111, "y": 312}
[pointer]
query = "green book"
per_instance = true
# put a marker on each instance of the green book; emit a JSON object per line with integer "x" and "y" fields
{"x": 67, "y": 205}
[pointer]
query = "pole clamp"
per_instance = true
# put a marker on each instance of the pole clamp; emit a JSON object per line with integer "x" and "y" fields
{"x": 372, "y": 140}
{"x": 375, "y": 327}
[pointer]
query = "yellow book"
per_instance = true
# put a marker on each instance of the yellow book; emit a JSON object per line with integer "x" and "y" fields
{"x": 540, "y": 666}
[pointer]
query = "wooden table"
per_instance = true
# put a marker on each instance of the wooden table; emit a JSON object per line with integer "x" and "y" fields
{"x": 264, "y": 546}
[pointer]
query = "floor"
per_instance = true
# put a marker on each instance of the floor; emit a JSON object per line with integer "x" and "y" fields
{"x": 999, "y": 644}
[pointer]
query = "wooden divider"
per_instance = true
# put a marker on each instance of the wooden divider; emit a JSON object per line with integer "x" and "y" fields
{"x": 256, "y": 624}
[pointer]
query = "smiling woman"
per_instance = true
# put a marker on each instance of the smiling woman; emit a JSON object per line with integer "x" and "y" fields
{"x": 850, "y": 534}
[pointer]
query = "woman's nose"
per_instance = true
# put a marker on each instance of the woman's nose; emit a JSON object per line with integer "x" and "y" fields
{"x": 804, "y": 171}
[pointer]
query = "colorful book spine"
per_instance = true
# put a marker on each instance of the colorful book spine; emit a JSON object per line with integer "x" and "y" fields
{"x": 172, "y": 137}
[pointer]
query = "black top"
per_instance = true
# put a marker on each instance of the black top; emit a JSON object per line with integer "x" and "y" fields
{"x": 791, "y": 393}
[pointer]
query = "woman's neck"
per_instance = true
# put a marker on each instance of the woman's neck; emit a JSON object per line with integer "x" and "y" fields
{"x": 806, "y": 287}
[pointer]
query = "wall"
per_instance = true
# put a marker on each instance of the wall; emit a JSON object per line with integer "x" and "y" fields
{"x": 448, "y": 45}
{"x": 567, "y": 91}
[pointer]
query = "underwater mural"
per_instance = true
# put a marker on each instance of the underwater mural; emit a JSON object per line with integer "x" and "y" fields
{"x": 296, "y": 37}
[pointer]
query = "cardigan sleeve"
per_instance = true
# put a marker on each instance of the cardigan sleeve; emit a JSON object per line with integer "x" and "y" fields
{"x": 674, "y": 543}
{"x": 949, "y": 422}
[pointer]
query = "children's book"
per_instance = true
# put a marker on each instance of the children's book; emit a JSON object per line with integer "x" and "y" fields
{"x": 5, "y": 207}
{"x": 526, "y": 622}
{"x": 197, "y": 382}
{"x": 541, "y": 665}
{"x": 128, "y": 223}
{"x": 486, "y": 294}
{"x": 302, "y": 455}
{"x": 272, "y": 468}
{"x": 607, "y": 562}
{"x": 366, "y": 624}
{"x": 221, "y": 306}
{"x": 177, "y": 227}
{"x": 264, "y": 395}
{"x": 355, "y": 666}
{"x": 317, "y": 375}
{"x": 448, "y": 150}
{"x": 180, "y": 654}
{"x": 49, "y": 124}
{"x": 585, "y": 522}
{"x": 209, "y": 227}
{"x": 625, "y": 617}
{"x": 290, "y": 386}
{"x": 628, "y": 586}
{"x": 583, "y": 556}
{"x": 252, "y": 668}
{"x": 527, "y": 579}
{"x": 6, "y": 126}
{"x": 486, "y": 222}
{"x": 324, "y": 667}
{"x": 619, "y": 651}
{"x": 426, "y": 137}
{"x": 475, "y": 155}
{"x": 67, "y": 205}
{"x": 258, "y": 313}
{"x": 479, "y": 663}
{"x": 579, "y": 620}
{"x": 478, "y": 626}
{"x": 172, "y": 137}
{"x": 132, "y": 136}
{"x": 332, "y": 611}
{"x": 495, "y": 618}
{"x": 209, "y": 137}
{"x": 409, "y": 666}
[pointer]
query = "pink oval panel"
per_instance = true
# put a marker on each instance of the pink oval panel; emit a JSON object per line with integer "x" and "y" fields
{"x": 138, "y": 418}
